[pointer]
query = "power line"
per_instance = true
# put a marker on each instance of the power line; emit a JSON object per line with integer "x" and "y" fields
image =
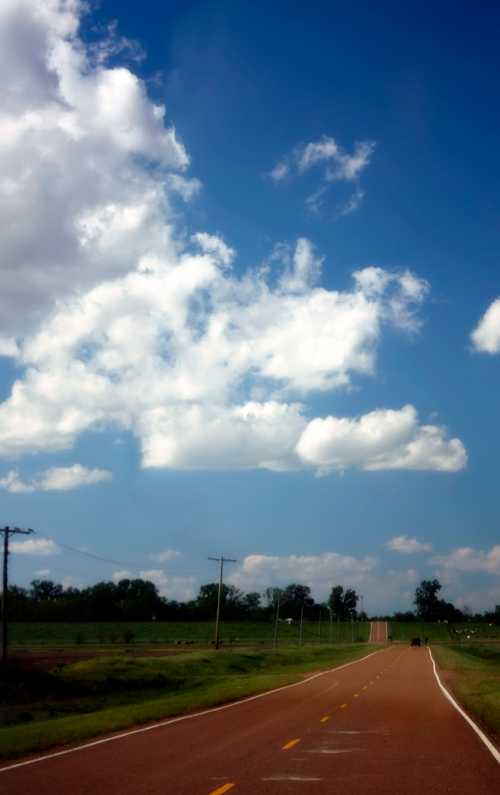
{"x": 94, "y": 556}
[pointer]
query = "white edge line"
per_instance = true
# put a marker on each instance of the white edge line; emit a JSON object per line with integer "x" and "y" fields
{"x": 489, "y": 745}
{"x": 161, "y": 724}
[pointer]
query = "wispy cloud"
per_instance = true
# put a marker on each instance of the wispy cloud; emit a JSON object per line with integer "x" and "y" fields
{"x": 55, "y": 479}
{"x": 407, "y": 545}
{"x": 165, "y": 555}
{"x": 468, "y": 559}
{"x": 338, "y": 166}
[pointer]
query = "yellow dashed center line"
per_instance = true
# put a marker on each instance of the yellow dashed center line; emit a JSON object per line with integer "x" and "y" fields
{"x": 365, "y": 687}
{"x": 290, "y": 744}
{"x": 356, "y": 695}
{"x": 343, "y": 706}
{"x": 324, "y": 719}
{"x": 220, "y": 790}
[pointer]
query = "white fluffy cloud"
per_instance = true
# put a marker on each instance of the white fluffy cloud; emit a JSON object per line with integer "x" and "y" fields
{"x": 407, "y": 545}
{"x": 467, "y": 559}
{"x": 38, "y": 547}
{"x": 198, "y": 364}
{"x": 55, "y": 479}
{"x": 339, "y": 166}
{"x": 382, "y": 439}
{"x": 486, "y": 335}
{"x": 87, "y": 164}
{"x": 381, "y": 588}
{"x": 206, "y": 368}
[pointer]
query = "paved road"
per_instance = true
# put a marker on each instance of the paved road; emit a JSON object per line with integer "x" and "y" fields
{"x": 378, "y": 631}
{"x": 378, "y": 726}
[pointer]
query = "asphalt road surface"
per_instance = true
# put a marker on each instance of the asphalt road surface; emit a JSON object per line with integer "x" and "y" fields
{"x": 381, "y": 725}
{"x": 378, "y": 631}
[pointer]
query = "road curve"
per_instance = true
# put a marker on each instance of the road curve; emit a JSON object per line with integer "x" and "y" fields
{"x": 377, "y": 726}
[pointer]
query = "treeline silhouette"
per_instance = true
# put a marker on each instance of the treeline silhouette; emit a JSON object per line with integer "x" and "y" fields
{"x": 139, "y": 600}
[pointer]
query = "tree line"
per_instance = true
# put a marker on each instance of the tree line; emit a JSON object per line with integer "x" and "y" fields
{"x": 139, "y": 600}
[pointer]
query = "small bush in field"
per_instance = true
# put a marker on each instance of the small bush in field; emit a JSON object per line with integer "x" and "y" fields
{"x": 128, "y": 636}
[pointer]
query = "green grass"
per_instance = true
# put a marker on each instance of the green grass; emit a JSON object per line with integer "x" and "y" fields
{"x": 104, "y": 694}
{"x": 39, "y": 634}
{"x": 472, "y": 672}
{"x": 405, "y": 630}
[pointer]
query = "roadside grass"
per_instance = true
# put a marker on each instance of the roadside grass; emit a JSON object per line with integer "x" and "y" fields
{"x": 457, "y": 632}
{"x": 102, "y": 695}
{"x": 472, "y": 673}
{"x": 43, "y": 634}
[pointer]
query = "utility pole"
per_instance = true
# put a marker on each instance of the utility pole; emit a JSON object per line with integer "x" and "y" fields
{"x": 7, "y": 532}
{"x": 319, "y": 625}
{"x": 277, "y": 618}
{"x": 301, "y": 628}
{"x": 331, "y": 627}
{"x": 221, "y": 562}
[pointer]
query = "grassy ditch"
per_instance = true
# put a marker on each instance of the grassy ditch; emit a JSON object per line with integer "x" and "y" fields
{"x": 472, "y": 673}
{"x": 100, "y": 695}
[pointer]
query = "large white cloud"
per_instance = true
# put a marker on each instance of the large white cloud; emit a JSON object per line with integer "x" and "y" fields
{"x": 206, "y": 368}
{"x": 486, "y": 335}
{"x": 55, "y": 479}
{"x": 86, "y": 162}
{"x": 198, "y": 364}
{"x": 382, "y": 439}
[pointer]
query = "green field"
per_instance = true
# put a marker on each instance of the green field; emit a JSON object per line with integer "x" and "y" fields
{"x": 463, "y": 632}
{"x": 472, "y": 672}
{"x": 99, "y": 695}
{"x": 29, "y": 635}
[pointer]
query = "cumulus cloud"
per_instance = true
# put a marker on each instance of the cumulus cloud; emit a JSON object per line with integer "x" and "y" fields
{"x": 407, "y": 545}
{"x": 55, "y": 479}
{"x": 162, "y": 338}
{"x": 381, "y": 439}
{"x": 39, "y": 547}
{"x": 87, "y": 163}
{"x": 199, "y": 364}
{"x": 381, "y": 588}
{"x": 486, "y": 335}
{"x": 338, "y": 166}
{"x": 467, "y": 559}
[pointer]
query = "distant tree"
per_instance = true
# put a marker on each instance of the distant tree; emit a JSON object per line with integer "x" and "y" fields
{"x": 426, "y": 600}
{"x": 251, "y": 603}
{"x": 44, "y": 590}
{"x": 408, "y": 615}
{"x": 295, "y": 597}
{"x": 271, "y": 596}
{"x": 343, "y": 603}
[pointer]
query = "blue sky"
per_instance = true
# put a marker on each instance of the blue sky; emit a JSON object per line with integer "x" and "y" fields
{"x": 245, "y": 326}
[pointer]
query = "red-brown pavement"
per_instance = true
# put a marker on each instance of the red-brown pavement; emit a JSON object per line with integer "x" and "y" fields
{"x": 378, "y": 631}
{"x": 381, "y": 725}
